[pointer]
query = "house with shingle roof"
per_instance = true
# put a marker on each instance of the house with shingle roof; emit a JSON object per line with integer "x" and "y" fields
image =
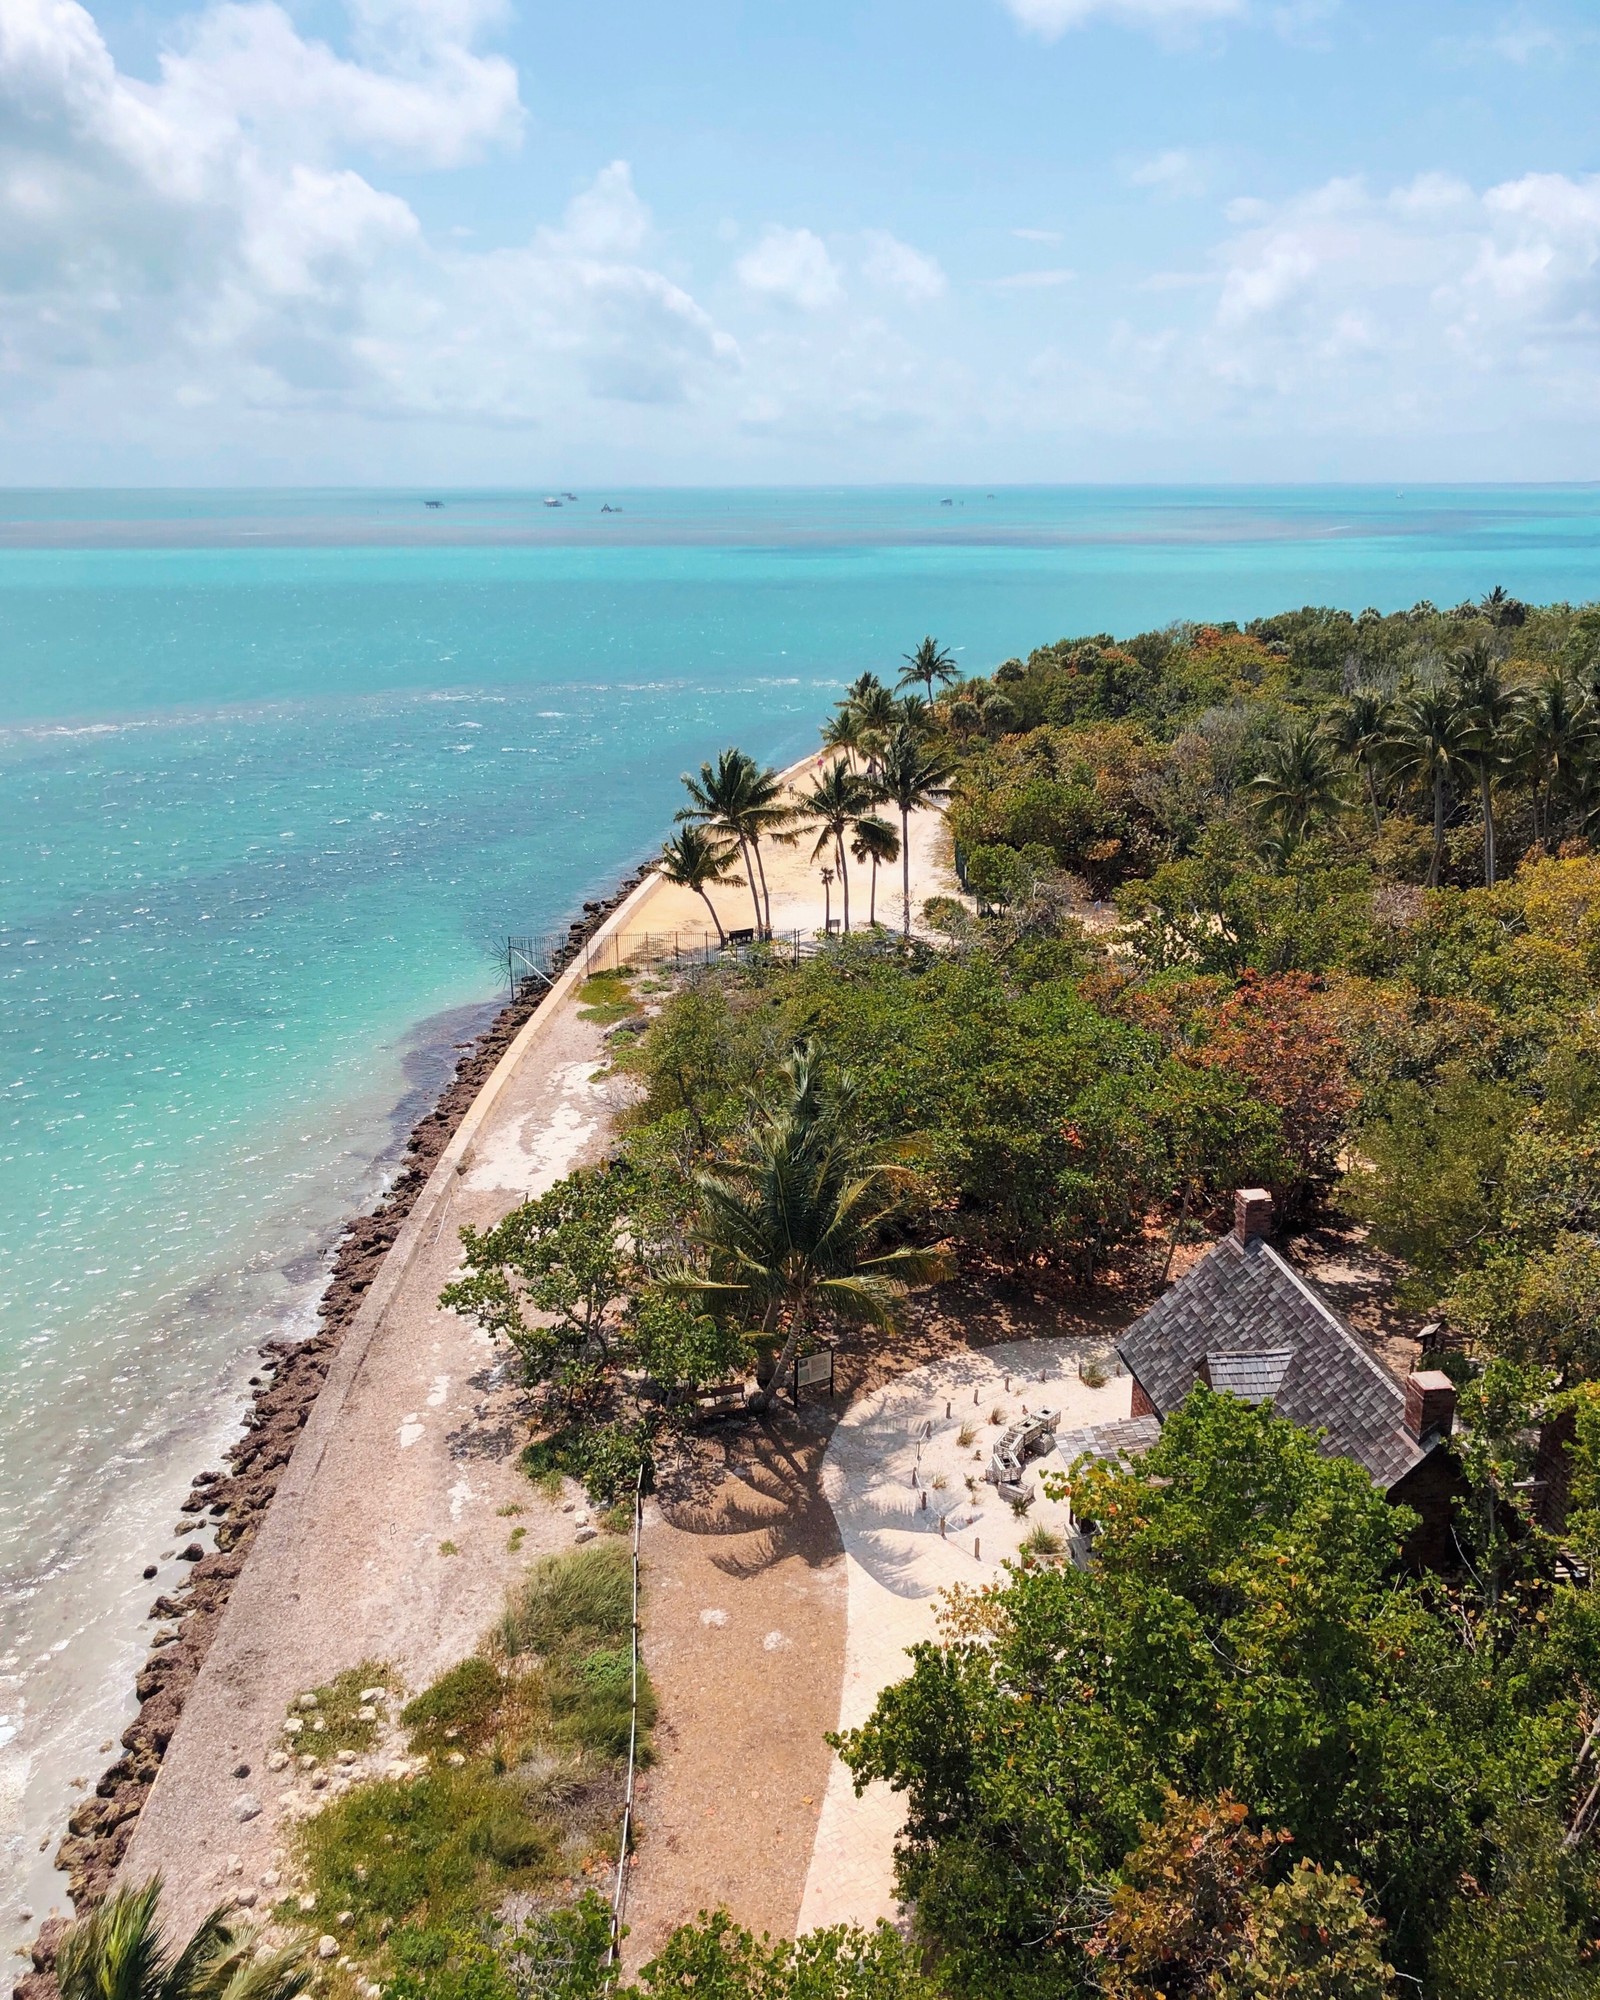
{"x": 1246, "y": 1323}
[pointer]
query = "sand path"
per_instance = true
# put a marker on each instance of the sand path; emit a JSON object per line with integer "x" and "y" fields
{"x": 897, "y": 1562}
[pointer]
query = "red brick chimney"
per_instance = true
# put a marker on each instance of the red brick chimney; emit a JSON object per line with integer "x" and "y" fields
{"x": 1252, "y": 1213}
{"x": 1430, "y": 1404}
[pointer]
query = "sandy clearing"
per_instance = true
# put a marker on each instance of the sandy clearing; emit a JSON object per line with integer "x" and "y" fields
{"x": 897, "y": 1563}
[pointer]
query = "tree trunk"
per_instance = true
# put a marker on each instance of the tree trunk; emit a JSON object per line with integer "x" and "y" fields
{"x": 1372, "y": 798}
{"x": 764, "y": 927}
{"x": 844, "y": 880}
{"x": 1438, "y": 831}
{"x": 872, "y": 897}
{"x": 763, "y": 1397}
{"x": 905, "y": 870}
{"x": 722, "y": 935}
{"x": 1488, "y": 828}
{"x": 750, "y": 877}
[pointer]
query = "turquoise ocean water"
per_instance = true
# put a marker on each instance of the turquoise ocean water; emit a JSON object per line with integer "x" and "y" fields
{"x": 277, "y": 770}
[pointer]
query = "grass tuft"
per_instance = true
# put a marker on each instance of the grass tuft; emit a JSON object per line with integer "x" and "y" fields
{"x": 338, "y": 1710}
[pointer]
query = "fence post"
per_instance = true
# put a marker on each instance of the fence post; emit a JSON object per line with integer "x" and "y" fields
{"x": 619, "y": 1894}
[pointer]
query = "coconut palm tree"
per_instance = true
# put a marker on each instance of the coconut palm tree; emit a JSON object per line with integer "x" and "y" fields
{"x": 909, "y": 775}
{"x": 118, "y": 1952}
{"x": 1489, "y": 712}
{"x": 1556, "y": 742}
{"x": 1359, "y": 731}
{"x": 696, "y": 858}
{"x": 1299, "y": 781}
{"x": 838, "y": 796}
{"x": 874, "y": 839}
{"x": 736, "y": 797}
{"x": 929, "y": 663}
{"x": 876, "y": 712}
{"x": 1428, "y": 744}
{"x": 789, "y": 1227}
{"x": 861, "y": 687}
{"x": 842, "y": 731}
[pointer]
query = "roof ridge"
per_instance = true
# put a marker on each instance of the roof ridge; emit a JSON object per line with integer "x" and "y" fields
{"x": 1305, "y": 1286}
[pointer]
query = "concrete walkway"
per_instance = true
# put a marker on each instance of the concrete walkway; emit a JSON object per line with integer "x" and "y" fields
{"x": 898, "y": 1563}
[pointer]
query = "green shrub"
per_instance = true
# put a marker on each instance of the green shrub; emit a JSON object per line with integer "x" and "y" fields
{"x": 466, "y": 1699}
{"x": 338, "y": 1709}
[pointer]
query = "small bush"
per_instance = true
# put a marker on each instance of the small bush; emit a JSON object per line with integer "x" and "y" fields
{"x": 997, "y": 1415}
{"x": 965, "y": 1435}
{"x": 1043, "y": 1541}
{"x": 1022, "y": 1503}
{"x": 1093, "y": 1375}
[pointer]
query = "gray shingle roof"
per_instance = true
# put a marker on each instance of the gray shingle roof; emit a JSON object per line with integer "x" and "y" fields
{"x": 1253, "y": 1378}
{"x": 1130, "y": 1438}
{"x": 1243, "y": 1299}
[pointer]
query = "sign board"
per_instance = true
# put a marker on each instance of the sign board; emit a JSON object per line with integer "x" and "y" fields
{"x": 813, "y": 1368}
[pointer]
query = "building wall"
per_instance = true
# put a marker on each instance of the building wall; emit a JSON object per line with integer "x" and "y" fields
{"x": 1142, "y": 1405}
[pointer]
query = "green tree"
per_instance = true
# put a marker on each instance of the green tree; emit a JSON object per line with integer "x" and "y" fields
{"x": 564, "y": 1257}
{"x": 837, "y": 798}
{"x": 1428, "y": 1170}
{"x": 1299, "y": 782}
{"x": 737, "y": 798}
{"x": 911, "y": 773}
{"x": 1489, "y": 713}
{"x": 792, "y": 1224}
{"x": 1359, "y": 730}
{"x": 928, "y": 665}
{"x": 695, "y": 859}
{"x": 1556, "y": 744}
{"x": 1430, "y": 746}
{"x": 118, "y": 1952}
{"x": 874, "y": 840}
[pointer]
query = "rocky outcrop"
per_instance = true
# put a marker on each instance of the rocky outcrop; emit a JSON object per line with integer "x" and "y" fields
{"x": 235, "y": 1500}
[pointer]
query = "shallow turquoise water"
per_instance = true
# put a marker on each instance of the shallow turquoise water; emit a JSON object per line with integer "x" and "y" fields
{"x": 276, "y": 772}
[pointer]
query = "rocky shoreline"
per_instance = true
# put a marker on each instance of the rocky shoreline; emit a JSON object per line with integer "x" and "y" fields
{"x": 235, "y": 1501}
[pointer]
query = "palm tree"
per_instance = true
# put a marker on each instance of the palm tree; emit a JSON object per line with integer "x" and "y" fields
{"x": 1556, "y": 741}
{"x": 119, "y": 1953}
{"x": 1488, "y": 711}
{"x": 1299, "y": 781}
{"x": 876, "y": 712}
{"x": 1359, "y": 732}
{"x": 788, "y": 1227}
{"x": 837, "y": 797}
{"x": 736, "y": 797}
{"x": 695, "y": 858}
{"x": 861, "y": 687}
{"x": 1428, "y": 744}
{"x": 913, "y": 712}
{"x": 874, "y": 840}
{"x": 910, "y": 773}
{"x": 842, "y": 731}
{"x": 929, "y": 663}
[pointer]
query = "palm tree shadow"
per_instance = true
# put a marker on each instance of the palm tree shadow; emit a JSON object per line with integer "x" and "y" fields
{"x": 757, "y": 1484}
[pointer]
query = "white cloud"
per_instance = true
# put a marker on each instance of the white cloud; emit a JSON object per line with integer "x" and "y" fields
{"x": 206, "y": 238}
{"x": 793, "y": 267}
{"x": 1430, "y": 297}
{"x": 1050, "y": 18}
{"x": 899, "y": 268}
{"x": 1174, "y": 172}
{"x": 1032, "y": 281}
{"x": 1037, "y": 235}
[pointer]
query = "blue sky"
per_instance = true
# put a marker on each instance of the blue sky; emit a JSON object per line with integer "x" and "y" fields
{"x": 500, "y": 241}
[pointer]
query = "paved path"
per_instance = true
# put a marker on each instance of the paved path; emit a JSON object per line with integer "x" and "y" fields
{"x": 385, "y": 1541}
{"x": 897, "y": 1563}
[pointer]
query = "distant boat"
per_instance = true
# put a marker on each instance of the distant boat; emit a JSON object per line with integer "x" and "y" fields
{"x": 433, "y": 503}
{"x": 551, "y": 501}
{"x": 569, "y": 496}
{"x": 947, "y": 503}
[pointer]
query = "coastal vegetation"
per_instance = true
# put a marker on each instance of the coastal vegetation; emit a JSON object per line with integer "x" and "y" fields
{"x": 1310, "y": 905}
{"x": 120, "y": 1952}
